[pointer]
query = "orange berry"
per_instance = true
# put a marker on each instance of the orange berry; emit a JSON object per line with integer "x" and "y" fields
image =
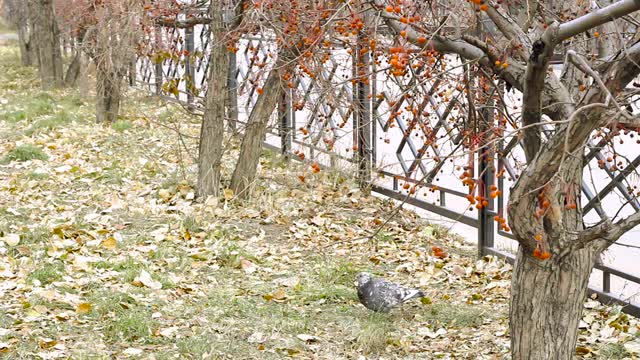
{"x": 596, "y": 34}
{"x": 260, "y": 91}
{"x": 537, "y": 253}
{"x": 538, "y": 237}
{"x": 483, "y": 7}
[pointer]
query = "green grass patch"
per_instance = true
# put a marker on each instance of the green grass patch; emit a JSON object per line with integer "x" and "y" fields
{"x": 461, "y": 315}
{"x": 46, "y": 273}
{"x": 374, "y": 333}
{"x": 121, "y": 125}
{"x": 613, "y": 351}
{"x": 132, "y": 325}
{"x": 25, "y": 152}
{"x": 49, "y": 123}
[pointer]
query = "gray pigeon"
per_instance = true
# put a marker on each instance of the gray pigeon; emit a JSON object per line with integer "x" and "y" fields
{"x": 381, "y": 295}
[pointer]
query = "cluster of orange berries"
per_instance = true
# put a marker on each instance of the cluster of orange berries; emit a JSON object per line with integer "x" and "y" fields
{"x": 494, "y": 192}
{"x": 502, "y": 222}
{"x": 399, "y": 61}
{"x": 315, "y": 167}
{"x": 504, "y": 65}
{"x": 543, "y": 205}
{"x": 480, "y": 3}
{"x": 412, "y": 189}
{"x": 540, "y": 252}
{"x": 479, "y": 201}
{"x": 299, "y": 154}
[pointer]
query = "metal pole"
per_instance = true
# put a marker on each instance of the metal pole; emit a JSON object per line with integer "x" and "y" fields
{"x": 189, "y": 66}
{"x": 362, "y": 111}
{"x": 158, "y": 65}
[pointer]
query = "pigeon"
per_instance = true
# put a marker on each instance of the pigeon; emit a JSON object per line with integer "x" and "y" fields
{"x": 381, "y": 295}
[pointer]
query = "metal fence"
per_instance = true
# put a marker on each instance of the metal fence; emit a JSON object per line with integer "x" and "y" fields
{"x": 341, "y": 123}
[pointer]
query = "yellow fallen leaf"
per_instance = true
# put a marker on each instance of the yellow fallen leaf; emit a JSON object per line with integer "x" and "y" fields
{"x": 279, "y": 295}
{"x": 228, "y": 194}
{"x": 109, "y": 243}
{"x": 581, "y": 350}
{"x": 84, "y": 308}
{"x": 47, "y": 343}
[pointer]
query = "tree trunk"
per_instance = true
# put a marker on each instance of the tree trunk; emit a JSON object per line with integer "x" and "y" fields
{"x": 251, "y": 147}
{"x": 74, "y": 70}
{"x": 546, "y": 304}
{"x": 28, "y": 56}
{"x": 47, "y": 42}
{"x": 547, "y": 294}
{"x": 108, "y": 86}
{"x": 212, "y": 131}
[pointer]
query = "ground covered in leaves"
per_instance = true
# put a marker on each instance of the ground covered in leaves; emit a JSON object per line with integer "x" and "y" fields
{"x": 104, "y": 254}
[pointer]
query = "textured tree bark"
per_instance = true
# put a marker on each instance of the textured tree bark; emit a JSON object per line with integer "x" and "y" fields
{"x": 546, "y": 304}
{"x": 247, "y": 165}
{"x": 47, "y": 42}
{"x": 212, "y": 131}
{"x": 74, "y": 70}
{"x": 28, "y": 56}
{"x": 108, "y": 95}
{"x": 547, "y": 296}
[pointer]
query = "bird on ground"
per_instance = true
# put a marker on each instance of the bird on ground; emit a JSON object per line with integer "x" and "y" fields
{"x": 380, "y": 295}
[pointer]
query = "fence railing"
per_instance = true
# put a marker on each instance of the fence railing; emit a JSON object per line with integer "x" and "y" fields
{"x": 346, "y": 123}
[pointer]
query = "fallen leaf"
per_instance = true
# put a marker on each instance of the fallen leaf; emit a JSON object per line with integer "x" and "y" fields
{"x": 11, "y": 239}
{"x": 581, "y": 350}
{"x": 109, "y": 243}
{"x": 247, "y": 266}
{"x": 228, "y": 194}
{"x": 146, "y": 280}
{"x": 83, "y": 308}
{"x": 279, "y": 295}
{"x": 132, "y": 351}
{"x": 46, "y": 343}
{"x": 308, "y": 338}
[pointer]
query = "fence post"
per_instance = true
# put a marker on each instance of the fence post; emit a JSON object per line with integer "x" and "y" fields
{"x": 232, "y": 88}
{"x": 362, "y": 110}
{"x": 158, "y": 65}
{"x": 486, "y": 171}
{"x": 189, "y": 66}
{"x": 284, "y": 130}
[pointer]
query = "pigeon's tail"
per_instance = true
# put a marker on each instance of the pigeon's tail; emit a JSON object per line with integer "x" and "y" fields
{"x": 412, "y": 294}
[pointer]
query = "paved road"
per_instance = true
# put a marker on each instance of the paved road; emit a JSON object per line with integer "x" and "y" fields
{"x": 8, "y": 37}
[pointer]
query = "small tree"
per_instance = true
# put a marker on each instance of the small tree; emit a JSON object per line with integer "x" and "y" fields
{"x": 299, "y": 28}
{"x": 108, "y": 32}
{"x": 17, "y": 13}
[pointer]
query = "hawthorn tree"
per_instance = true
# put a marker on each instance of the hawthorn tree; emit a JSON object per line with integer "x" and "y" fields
{"x": 44, "y": 37}
{"x": 109, "y": 32}
{"x": 559, "y": 114}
